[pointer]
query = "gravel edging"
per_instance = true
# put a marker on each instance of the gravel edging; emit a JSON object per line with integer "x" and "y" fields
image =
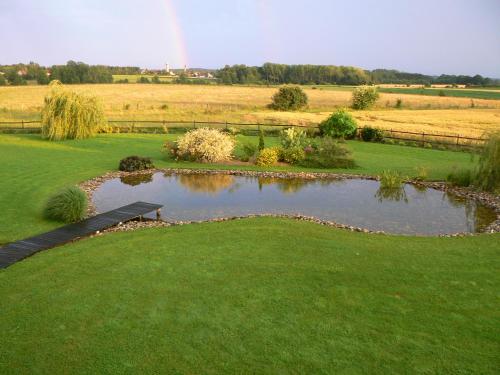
{"x": 89, "y": 186}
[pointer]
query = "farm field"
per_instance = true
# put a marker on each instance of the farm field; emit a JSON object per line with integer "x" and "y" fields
{"x": 459, "y": 93}
{"x": 432, "y": 114}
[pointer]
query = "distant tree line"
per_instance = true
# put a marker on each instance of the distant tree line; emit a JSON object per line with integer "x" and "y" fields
{"x": 341, "y": 75}
{"x": 269, "y": 73}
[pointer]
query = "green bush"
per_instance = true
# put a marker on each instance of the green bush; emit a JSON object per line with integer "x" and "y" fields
{"x": 267, "y": 157}
{"x": 327, "y": 153}
{"x": 390, "y": 180}
{"x": 250, "y": 150}
{"x": 261, "y": 140}
{"x": 488, "y": 173}
{"x": 339, "y": 125}
{"x": 289, "y": 98}
{"x": 70, "y": 115}
{"x": 143, "y": 80}
{"x": 293, "y": 155}
{"x": 399, "y": 103}
{"x": 135, "y": 163}
{"x": 369, "y": 134}
{"x": 460, "y": 177}
{"x": 68, "y": 205}
{"x": 364, "y": 97}
{"x": 292, "y": 138}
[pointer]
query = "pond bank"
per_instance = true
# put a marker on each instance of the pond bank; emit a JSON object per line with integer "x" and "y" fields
{"x": 490, "y": 200}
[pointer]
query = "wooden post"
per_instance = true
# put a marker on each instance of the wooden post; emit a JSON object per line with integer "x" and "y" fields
{"x": 22, "y": 122}
{"x": 458, "y": 139}
{"x": 423, "y": 139}
{"x": 158, "y": 214}
{"x": 194, "y": 124}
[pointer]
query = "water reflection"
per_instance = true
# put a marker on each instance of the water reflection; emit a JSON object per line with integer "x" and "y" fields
{"x": 286, "y": 185}
{"x": 137, "y": 179}
{"x": 198, "y": 183}
{"x": 392, "y": 194}
{"x": 356, "y": 202}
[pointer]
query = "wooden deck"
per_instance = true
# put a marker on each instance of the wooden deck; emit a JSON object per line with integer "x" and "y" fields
{"x": 16, "y": 251}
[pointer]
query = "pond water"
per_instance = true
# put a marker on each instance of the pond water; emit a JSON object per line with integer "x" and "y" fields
{"x": 357, "y": 202}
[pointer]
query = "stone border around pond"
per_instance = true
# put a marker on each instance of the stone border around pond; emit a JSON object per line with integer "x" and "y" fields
{"x": 487, "y": 199}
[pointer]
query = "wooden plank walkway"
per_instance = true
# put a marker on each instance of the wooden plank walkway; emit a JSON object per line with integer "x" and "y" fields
{"x": 16, "y": 251}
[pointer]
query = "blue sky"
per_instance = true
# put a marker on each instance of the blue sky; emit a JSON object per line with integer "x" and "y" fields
{"x": 432, "y": 37}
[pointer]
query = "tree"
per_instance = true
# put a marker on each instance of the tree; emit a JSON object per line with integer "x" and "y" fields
{"x": 289, "y": 98}
{"x": 364, "y": 97}
{"x": 70, "y": 115}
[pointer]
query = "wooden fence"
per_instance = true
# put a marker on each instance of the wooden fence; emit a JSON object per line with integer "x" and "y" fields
{"x": 162, "y": 126}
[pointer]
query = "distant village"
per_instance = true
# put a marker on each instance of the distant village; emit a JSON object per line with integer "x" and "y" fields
{"x": 189, "y": 73}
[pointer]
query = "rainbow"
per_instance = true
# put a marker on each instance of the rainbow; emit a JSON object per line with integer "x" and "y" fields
{"x": 180, "y": 56}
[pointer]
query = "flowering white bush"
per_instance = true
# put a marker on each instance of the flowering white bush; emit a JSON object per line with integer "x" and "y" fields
{"x": 205, "y": 145}
{"x": 292, "y": 137}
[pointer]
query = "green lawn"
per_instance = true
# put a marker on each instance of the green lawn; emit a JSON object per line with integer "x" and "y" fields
{"x": 32, "y": 169}
{"x": 459, "y": 93}
{"x": 216, "y": 298}
{"x": 248, "y": 296}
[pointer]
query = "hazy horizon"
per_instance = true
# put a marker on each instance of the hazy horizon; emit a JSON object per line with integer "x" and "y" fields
{"x": 428, "y": 37}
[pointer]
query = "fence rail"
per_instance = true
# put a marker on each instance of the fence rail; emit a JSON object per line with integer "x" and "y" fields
{"x": 140, "y": 126}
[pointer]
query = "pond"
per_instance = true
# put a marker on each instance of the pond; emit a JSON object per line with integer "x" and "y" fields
{"x": 355, "y": 202}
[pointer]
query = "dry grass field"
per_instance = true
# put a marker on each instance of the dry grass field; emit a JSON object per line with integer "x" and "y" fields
{"x": 248, "y": 104}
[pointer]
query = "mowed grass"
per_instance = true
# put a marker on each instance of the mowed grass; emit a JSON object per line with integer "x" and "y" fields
{"x": 249, "y": 104}
{"x": 458, "y": 93}
{"x": 260, "y": 296}
{"x": 32, "y": 169}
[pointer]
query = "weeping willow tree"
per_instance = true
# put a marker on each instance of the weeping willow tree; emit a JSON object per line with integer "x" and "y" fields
{"x": 70, "y": 115}
{"x": 488, "y": 173}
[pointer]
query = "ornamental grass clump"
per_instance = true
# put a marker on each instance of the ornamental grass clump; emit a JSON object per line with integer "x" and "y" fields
{"x": 70, "y": 115}
{"x": 487, "y": 176}
{"x": 68, "y": 205}
{"x": 391, "y": 180}
{"x": 205, "y": 145}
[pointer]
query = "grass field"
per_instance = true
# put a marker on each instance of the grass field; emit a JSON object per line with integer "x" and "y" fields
{"x": 248, "y": 104}
{"x": 226, "y": 298}
{"x": 231, "y": 297}
{"x": 45, "y": 167}
{"x": 459, "y": 93}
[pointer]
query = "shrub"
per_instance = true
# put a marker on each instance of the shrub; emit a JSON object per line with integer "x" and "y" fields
{"x": 70, "y": 115}
{"x": 68, "y": 205}
{"x": 441, "y": 93}
{"x": 460, "y": 177}
{"x": 289, "y": 98}
{"x": 390, "y": 179}
{"x": 205, "y": 145}
{"x": 327, "y": 153}
{"x": 267, "y": 156}
{"x": 249, "y": 150}
{"x": 164, "y": 106}
{"x": 135, "y": 163}
{"x": 488, "y": 173}
{"x": 292, "y": 138}
{"x": 126, "y": 107}
{"x": 369, "y": 134}
{"x": 143, "y": 80}
{"x": 293, "y": 155}
{"x": 261, "y": 140}
{"x": 399, "y": 103}
{"x": 364, "y": 97}
{"x": 170, "y": 147}
{"x": 339, "y": 125}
